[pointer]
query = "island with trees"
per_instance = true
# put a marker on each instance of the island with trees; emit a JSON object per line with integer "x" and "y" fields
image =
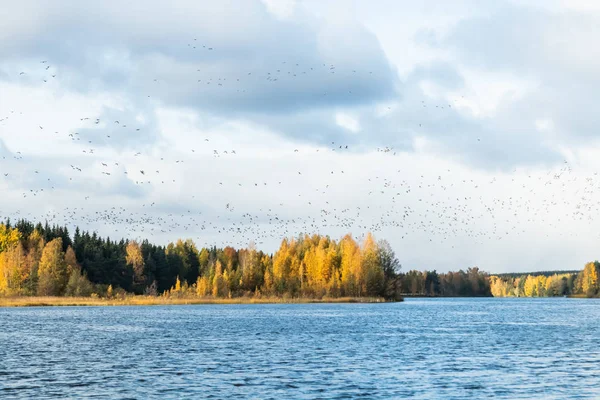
{"x": 43, "y": 264}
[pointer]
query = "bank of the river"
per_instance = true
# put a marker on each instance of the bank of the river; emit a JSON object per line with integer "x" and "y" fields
{"x": 32, "y": 301}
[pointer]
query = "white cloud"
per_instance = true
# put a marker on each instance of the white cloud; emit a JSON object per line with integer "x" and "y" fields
{"x": 457, "y": 123}
{"x": 281, "y": 8}
{"x": 347, "y": 121}
{"x": 544, "y": 124}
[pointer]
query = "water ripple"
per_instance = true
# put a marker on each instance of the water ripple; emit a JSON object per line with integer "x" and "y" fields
{"x": 422, "y": 349}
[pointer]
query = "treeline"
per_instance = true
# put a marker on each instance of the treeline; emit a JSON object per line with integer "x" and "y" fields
{"x": 532, "y": 285}
{"x": 583, "y": 283}
{"x": 45, "y": 260}
{"x": 474, "y": 283}
{"x": 537, "y": 273}
{"x": 470, "y": 283}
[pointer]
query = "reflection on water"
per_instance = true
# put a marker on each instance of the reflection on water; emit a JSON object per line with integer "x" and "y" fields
{"x": 422, "y": 348}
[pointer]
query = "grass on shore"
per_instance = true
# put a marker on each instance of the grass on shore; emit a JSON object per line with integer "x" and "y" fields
{"x": 578, "y": 296}
{"x": 40, "y": 301}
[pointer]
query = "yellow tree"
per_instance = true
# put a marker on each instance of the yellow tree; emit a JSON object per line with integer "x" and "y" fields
{"x": 268, "y": 282}
{"x": 53, "y": 269}
{"x": 3, "y": 275}
{"x": 8, "y": 237}
{"x": 371, "y": 276}
{"x": 350, "y": 265}
{"x": 12, "y": 266}
{"x": 311, "y": 268}
{"x": 251, "y": 268}
{"x": 541, "y": 286}
{"x": 296, "y": 276}
{"x": 516, "y": 288}
{"x": 281, "y": 266}
{"x": 135, "y": 258}
{"x": 71, "y": 261}
{"x": 329, "y": 264}
{"x": 320, "y": 252}
{"x": 77, "y": 284}
{"x": 219, "y": 287}
{"x": 497, "y": 286}
{"x": 203, "y": 260}
{"x": 589, "y": 282}
{"x": 227, "y": 283}
{"x": 35, "y": 245}
{"x": 13, "y": 270}
{"x": 530, "y": 286}
{"x": 203, "y": 287}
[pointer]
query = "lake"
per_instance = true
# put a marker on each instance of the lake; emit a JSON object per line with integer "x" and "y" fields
{"x": 422, "y": 348}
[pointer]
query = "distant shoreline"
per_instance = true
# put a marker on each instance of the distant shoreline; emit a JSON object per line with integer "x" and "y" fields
{"x": 48, "y": 301}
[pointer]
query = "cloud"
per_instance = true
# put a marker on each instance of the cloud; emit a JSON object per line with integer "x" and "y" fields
{"x": 449, "y": 110}
{"x": 348, "y": 122}
{"x": 132, "y": 129}
{"x": 277, "y": 66}
{"x": 530, "y": 41}
{"x": 536, "y": 60}
{"x": 4, "y": 152}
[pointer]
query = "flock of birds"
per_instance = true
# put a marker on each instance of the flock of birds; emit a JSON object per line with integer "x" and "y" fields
{"x": 154, "y": 192}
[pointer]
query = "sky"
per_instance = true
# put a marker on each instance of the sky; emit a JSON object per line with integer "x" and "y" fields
{"x": 462, "y": 132}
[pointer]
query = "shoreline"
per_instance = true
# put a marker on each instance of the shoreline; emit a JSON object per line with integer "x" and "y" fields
{"x": 49, "y": 301}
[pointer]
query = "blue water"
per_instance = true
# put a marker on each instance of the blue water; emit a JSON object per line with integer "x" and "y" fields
{"x": 422, "y": 348}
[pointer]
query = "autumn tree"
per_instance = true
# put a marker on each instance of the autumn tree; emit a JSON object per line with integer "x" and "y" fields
{"x": 34, "y": 245}
{"x": 135, "y": 259}
{"x": 219, "y": 286}
{"x": 530, "y": 288}
{"x": 541, "y": 286}
{"x": 282, "y": 267}
{"x": 8, "y": 237}
{"x": 268, "y": 282}
{"x": 203, "y": 286}
{"x": 13, "y": 270}
{"x": 350, "y": 265}
{"x": 589, "y": 279}
{"x": 373, "y": 277}
{"x": 42, "y": 259}
{"x": 77, "y": 284}
{"x": 52, "y": 274}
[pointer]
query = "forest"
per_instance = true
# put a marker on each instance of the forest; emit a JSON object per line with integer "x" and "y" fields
{"x": 44, "y": 260}
{"x": 548, "y": 284}
{"x": 474, "y": 283}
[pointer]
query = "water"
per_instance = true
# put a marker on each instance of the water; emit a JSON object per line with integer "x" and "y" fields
{"x": 422, "y": 348}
